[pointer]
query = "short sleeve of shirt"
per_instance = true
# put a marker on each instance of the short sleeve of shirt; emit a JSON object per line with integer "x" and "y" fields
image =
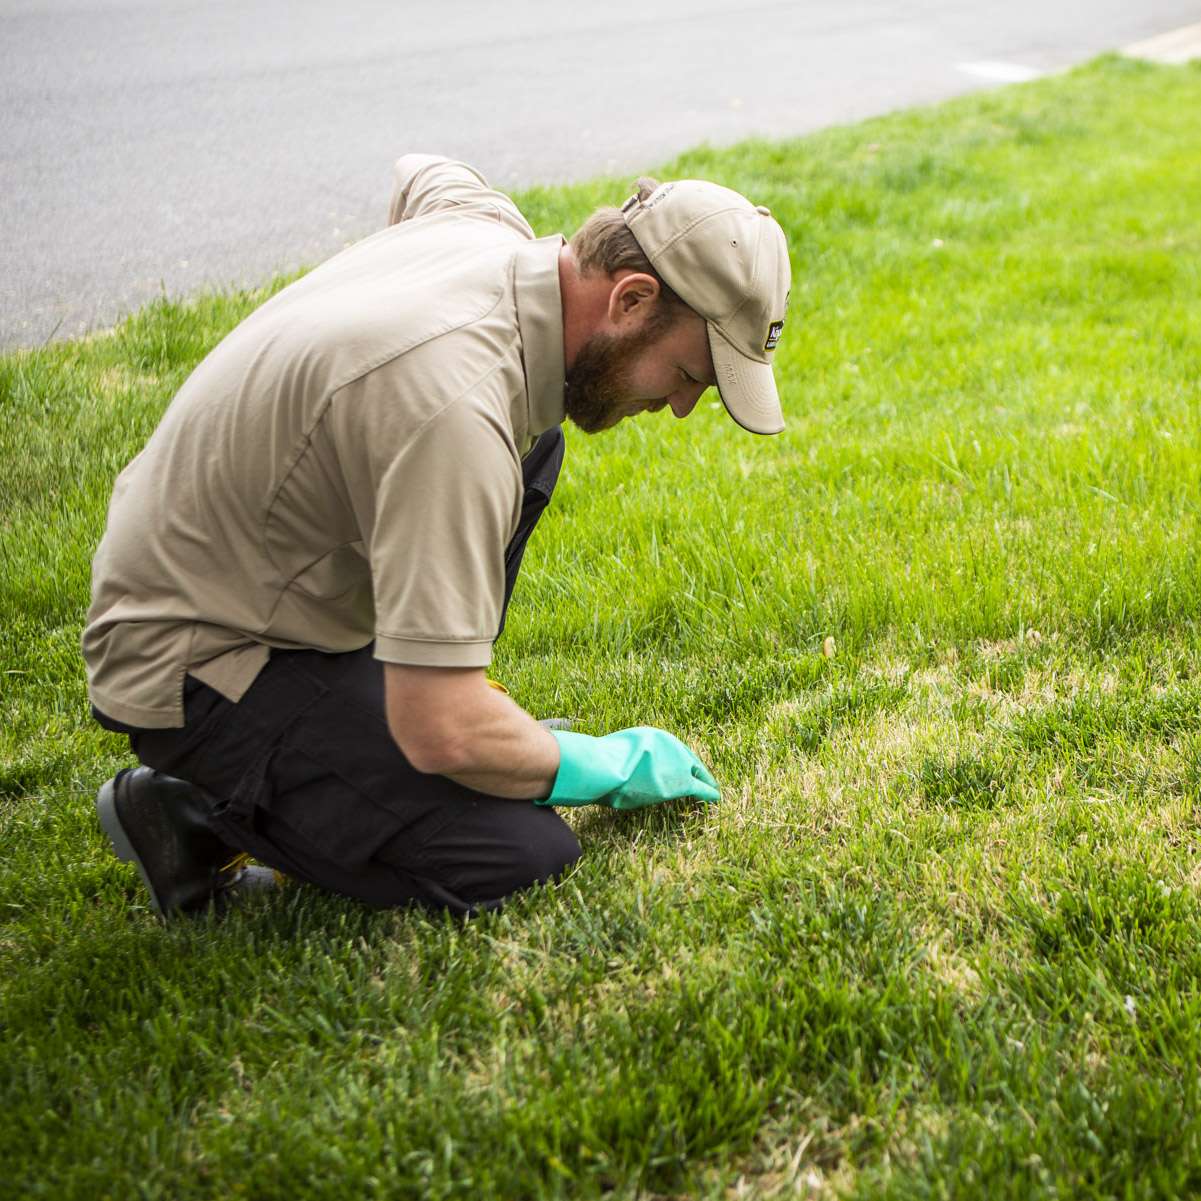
{"x": 436, "y": 508}
{"x": 424, "y": 184}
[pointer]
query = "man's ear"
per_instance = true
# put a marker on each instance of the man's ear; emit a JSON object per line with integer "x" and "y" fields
{"x": 632, "y": 298}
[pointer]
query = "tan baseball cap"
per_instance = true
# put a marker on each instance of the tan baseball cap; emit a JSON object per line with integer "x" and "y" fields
{"x": 728, "y": 261}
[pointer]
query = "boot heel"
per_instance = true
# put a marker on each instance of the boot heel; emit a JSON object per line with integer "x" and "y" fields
{"x": 110, "y": 823}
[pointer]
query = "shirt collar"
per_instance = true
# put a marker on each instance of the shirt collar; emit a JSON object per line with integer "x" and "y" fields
{"x": 540, "y": 319}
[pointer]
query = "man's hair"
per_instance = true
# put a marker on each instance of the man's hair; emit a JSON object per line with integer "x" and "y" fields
{"x": 604, "y": 243}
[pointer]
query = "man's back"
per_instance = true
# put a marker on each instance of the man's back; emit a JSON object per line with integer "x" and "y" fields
{"x": 249, "y": 519}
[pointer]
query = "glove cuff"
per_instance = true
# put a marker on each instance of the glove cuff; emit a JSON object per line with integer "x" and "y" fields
{"x": 573, "y": 782}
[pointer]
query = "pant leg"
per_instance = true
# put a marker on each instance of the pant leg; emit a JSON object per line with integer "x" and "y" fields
{"x": 304, "y": 774}
{"x": 539, "y": 473}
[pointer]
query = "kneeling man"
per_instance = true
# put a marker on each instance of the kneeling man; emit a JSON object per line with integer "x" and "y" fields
{"x": 304, "y": 571}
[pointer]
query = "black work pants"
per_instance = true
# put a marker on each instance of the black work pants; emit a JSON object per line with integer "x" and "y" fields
{"x": 304, "y": 774}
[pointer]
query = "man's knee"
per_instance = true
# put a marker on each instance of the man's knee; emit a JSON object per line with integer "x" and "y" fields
{"x": 540, "y": 849}
{"x": 554, "y": 853}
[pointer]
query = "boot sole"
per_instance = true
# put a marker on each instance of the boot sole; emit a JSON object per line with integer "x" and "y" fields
{"x": 110, "y": 823}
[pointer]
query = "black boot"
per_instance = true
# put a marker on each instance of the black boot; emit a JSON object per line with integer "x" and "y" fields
{"x": 158, "y": 823}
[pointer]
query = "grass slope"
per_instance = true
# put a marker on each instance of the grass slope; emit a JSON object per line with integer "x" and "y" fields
{"x": 942, "y": 936}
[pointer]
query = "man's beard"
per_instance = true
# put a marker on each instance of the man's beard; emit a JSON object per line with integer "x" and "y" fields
{"x": 597, "y": 392}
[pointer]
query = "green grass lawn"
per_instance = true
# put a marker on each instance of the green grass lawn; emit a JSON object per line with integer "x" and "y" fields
{"x": 941, "y": 937}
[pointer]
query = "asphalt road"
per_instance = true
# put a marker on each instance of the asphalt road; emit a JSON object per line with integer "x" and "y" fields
{"x": 150, "y": 145}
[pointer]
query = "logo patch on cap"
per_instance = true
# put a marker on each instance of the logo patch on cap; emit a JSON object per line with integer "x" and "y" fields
{"x": 773, "y": 335}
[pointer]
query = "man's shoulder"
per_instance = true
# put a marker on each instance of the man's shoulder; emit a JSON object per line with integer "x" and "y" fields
{"x": 447, "y": 334}
{"x": 470, "y": 375}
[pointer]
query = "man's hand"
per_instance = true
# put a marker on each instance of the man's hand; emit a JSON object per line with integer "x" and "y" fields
{"x": 628, "y": 770}
{"x": 447, "y": 721}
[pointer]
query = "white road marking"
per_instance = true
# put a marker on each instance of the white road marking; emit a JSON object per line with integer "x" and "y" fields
{"x": 1000, "y": 72}
{"x": 1179, "y": 46}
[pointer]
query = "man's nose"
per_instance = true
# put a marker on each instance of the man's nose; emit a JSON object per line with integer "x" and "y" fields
{"x": 684, "y": 401}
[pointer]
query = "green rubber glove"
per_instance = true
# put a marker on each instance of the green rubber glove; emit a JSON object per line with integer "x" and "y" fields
{"x": 627, "y": 770}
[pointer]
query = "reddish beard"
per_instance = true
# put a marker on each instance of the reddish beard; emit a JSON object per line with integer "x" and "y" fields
{"x": 597, "y": 394}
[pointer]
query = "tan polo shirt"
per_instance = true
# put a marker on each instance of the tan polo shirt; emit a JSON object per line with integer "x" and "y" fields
{"x": 345, "y": 465}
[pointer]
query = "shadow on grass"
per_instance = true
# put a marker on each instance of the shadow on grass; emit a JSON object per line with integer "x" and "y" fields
{"x": 601, "y": 829}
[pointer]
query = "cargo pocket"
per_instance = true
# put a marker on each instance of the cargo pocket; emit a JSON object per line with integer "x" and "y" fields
{"x": 336, "y": 778}
{"x": 237, "y": 760}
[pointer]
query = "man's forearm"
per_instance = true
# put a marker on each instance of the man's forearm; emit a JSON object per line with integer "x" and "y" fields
{"x": 509, "y": 754}
{"x": 449, "y": 722}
